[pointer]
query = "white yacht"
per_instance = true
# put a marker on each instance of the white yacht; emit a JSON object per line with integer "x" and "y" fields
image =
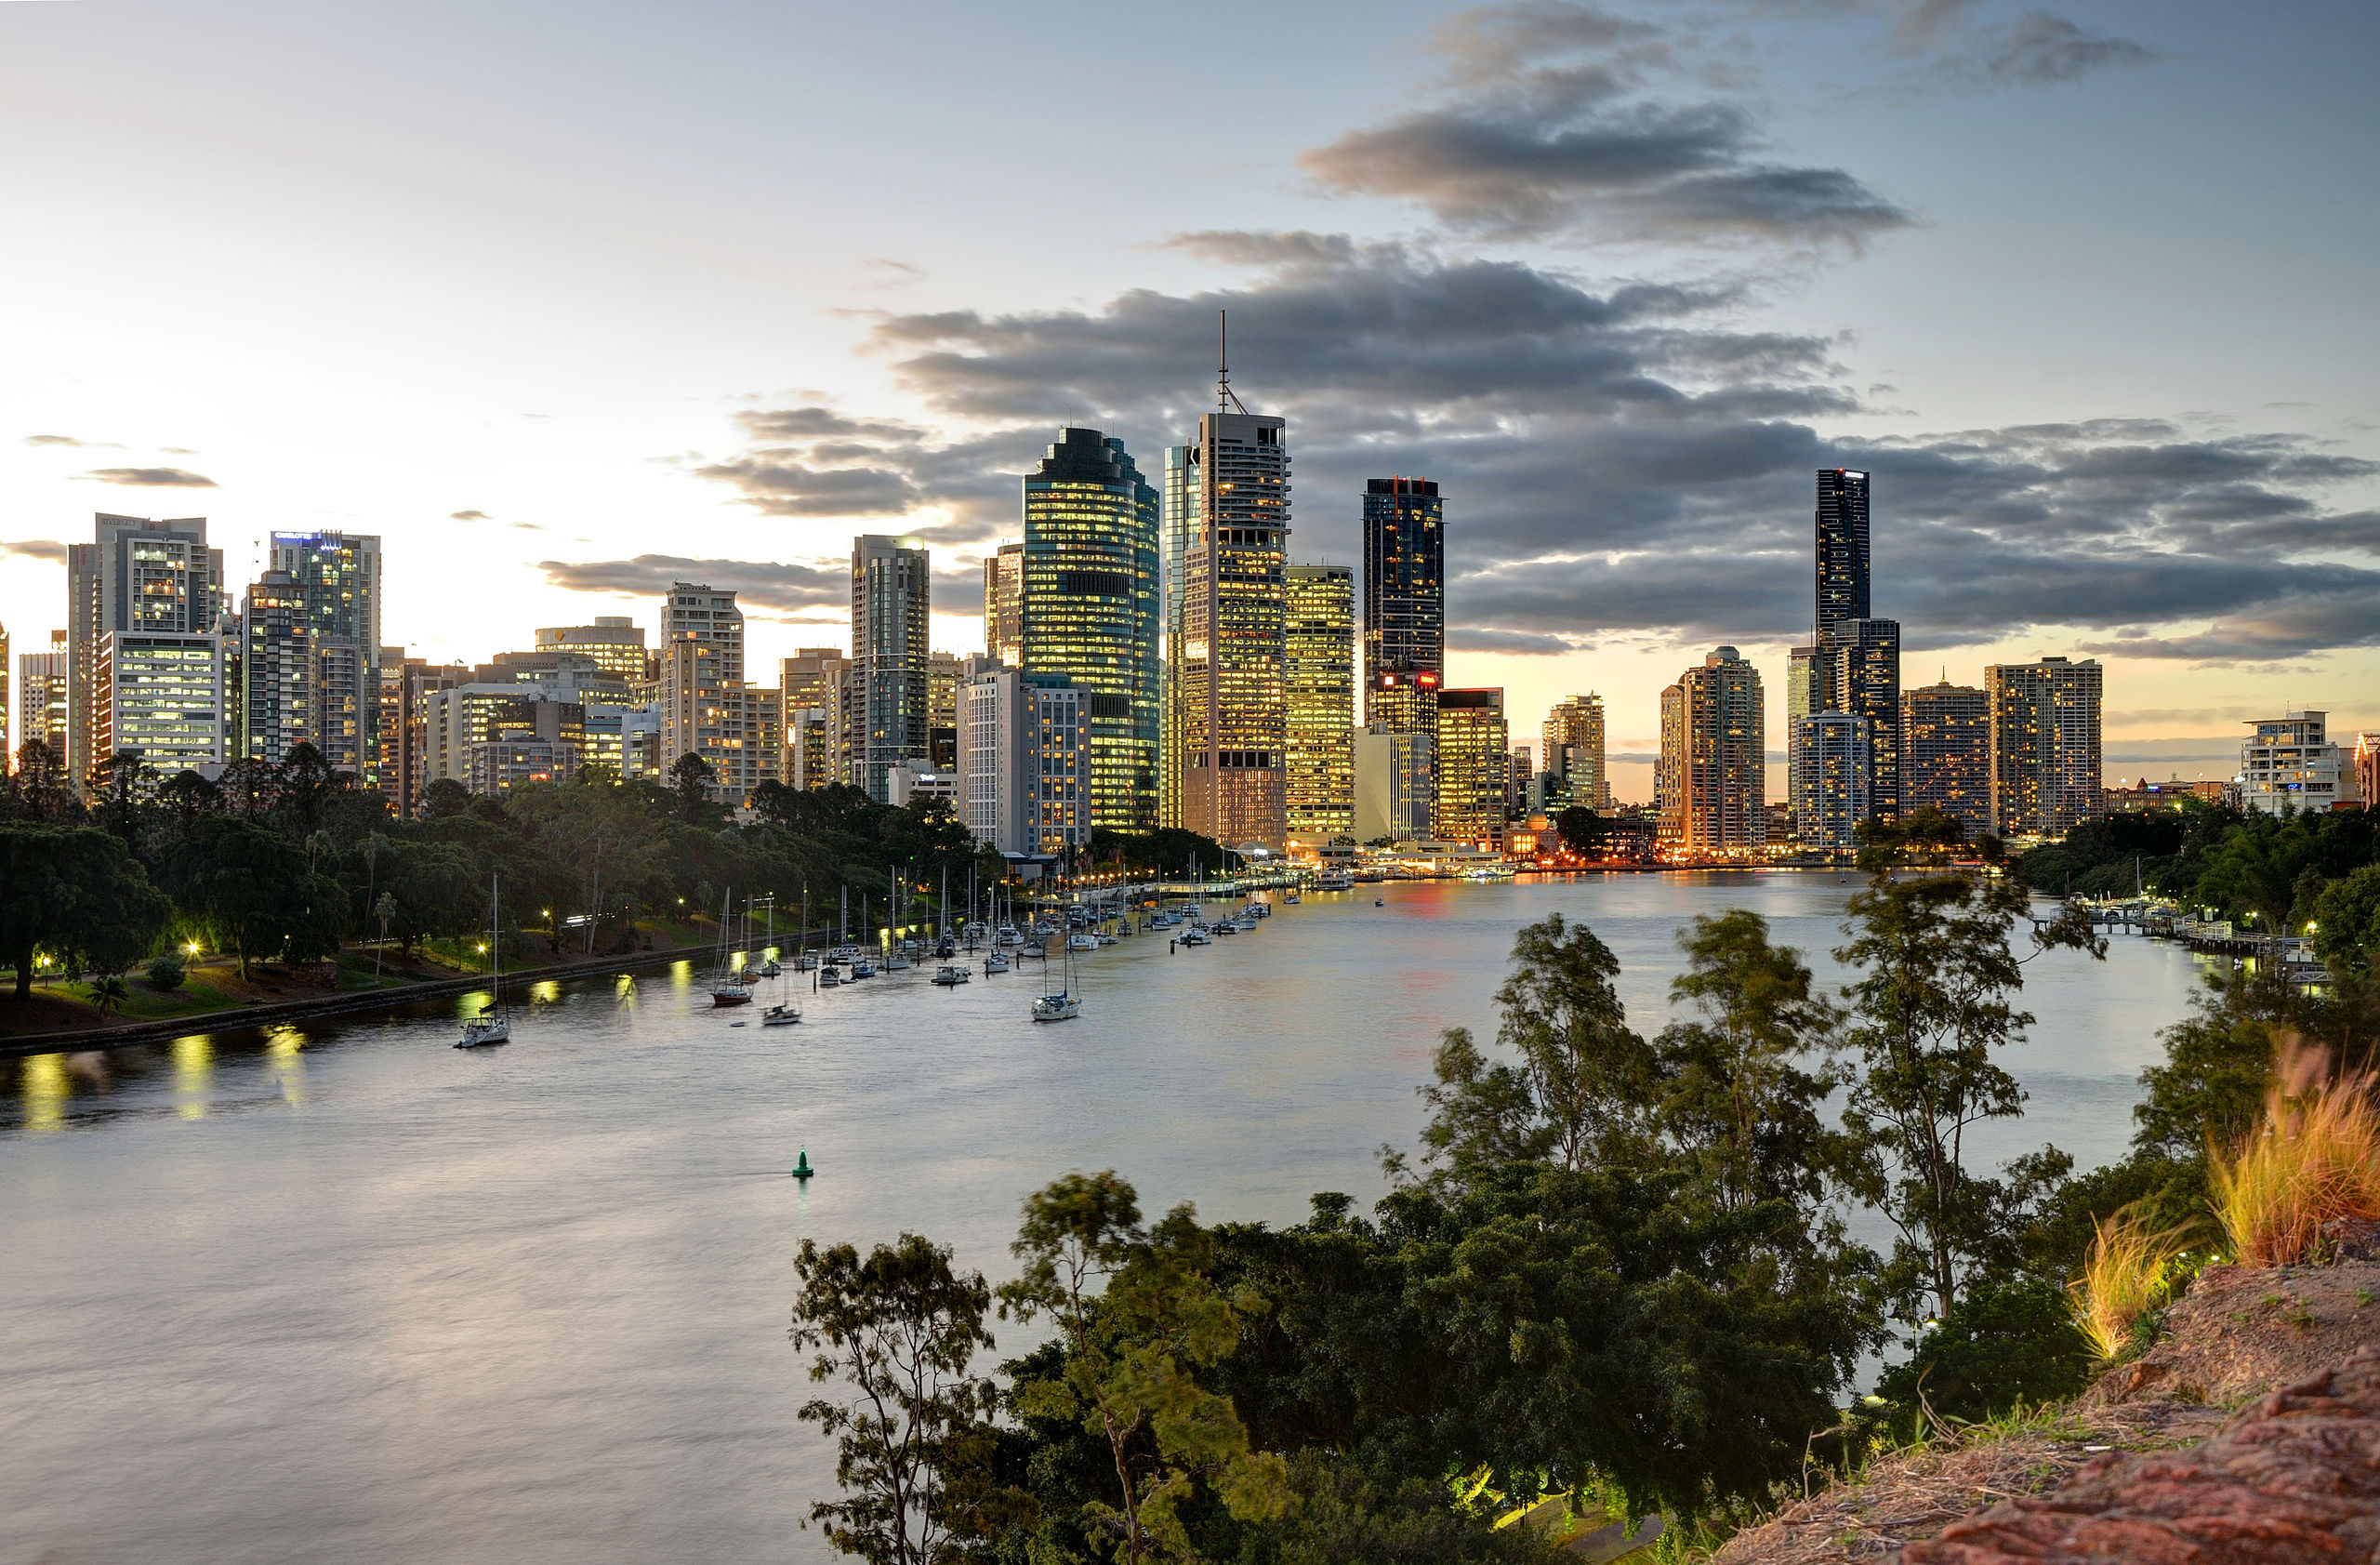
{"x": 492, "y": 1025}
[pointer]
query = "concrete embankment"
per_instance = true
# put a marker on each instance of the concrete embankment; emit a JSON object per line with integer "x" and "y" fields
{"x": 241, "y": 1016}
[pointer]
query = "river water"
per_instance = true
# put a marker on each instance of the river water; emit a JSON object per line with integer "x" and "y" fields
{"x": 344, "y": 1292}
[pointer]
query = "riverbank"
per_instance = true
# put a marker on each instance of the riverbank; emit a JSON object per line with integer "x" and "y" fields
{"x": 253, "y": 1013}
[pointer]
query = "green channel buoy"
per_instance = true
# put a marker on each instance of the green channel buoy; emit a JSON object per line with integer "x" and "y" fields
{"x": 801, "y": 1169}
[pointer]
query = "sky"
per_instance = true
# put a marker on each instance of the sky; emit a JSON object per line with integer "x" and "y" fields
{"x": 565, "y": 302}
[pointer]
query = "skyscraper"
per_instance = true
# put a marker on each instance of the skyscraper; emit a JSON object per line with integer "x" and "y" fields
{"x": 1830, "y": 779}
{"x": 1862, "y": 667}
{"x": 1004, "y": 605}
{"x": 1713, "y": 781}
{"x": 1573, "y": 761}
{"x": 338, "y": 576}
{"x": 819, "y": 707}
{"x": 134, "y": 574}
{"x": 705, "y": 706}
{"x": 892, "y": 602}
{"x": 2045, "y": 745}
{"x": 614, "y": 641}
{"x": 41, "y": 700}
{"x": 1946, "y": 754}
{"x": 1318, "y": 666}
{"x": 1843, "y": 546}
{"x": 1177, "y": 524}
{"x": 1474, "y": 768}
{"x": 1091, "y": 601}
{"x": 1404, "y": 626}
{"x": 1024, "y": 751}
{"x": 8, "y": 708}
{"x": 1228, "y": 685}
{"x": 279, "y": 670}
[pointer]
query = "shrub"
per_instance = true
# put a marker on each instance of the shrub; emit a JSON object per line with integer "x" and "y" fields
{"x": 2127, "y": 1273}
{"x": 2316, "y": 1158}
{"x": 2003, "y": 1345}
{"x": 165, "y": 974}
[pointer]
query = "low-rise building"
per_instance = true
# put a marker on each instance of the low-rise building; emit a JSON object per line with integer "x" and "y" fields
{"x": 2289, "y": 764}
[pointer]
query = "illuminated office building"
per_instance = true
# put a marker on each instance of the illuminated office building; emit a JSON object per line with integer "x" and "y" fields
{"x": 1394, "y": 786}
{"x": 2045, "y": 745}
{"x": 41, "y": 700}
{"x": 279, "y": 667}
{"x": 8, "y": 708}
{"x": 614, "y": 641}
{"x": 943, "y": 675}
{"x": 1004, "y": 605}
{"x": 338, "y": 576}
{"x": 1712, "y": 784}
{"x": 1946, "y": 754}
{"x": 135, "y": 575}
{"x": 1830, "y": 779}
{"x": 1091, "y": 598}
{"x": 159, "y": 696}
{"x": 1405, "y": 626}
{"x": 1025, "y": 783}
{"x": 891, "y": 605}
{"x": 1177, "y": 523}
{"x": 1228, "y": 686}
{"x": 1842, "y": 546}
{"x": 818, "y": 705}
{"x": 1474, "y": 768}
{"x": 1318, "y": 674}
{"x": 1861, "y": 659}
{"x": 1573, "y": 763}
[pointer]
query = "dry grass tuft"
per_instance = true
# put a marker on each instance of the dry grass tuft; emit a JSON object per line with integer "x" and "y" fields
{"x": 2128, "y": 1273}
{"x": 2315, "y": 1159}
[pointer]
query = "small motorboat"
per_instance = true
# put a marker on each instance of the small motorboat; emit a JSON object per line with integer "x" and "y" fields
{"x": 1034, "y": 948}
{"x": 1082, "y": 942}
{"x": 1196, "y": 935}
{"x": 996, "y": 962}
{"x": 730, "y": 994}
{"x": 951, "y": 974}
{"x": 1103, "y": 937}
{"x": 780, "y": 1016}
{"x": 1378, "y": 903}
{"x": 1291, "y": 899}
{"x": 1227, "y": 927}
{"x": 830, "y": 977}
{"x": 862, "y": 968}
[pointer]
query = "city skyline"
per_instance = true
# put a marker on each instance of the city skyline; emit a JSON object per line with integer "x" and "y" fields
{"x": 2186, "y": 501}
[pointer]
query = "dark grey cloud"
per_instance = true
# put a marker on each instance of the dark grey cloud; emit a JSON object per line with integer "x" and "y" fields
{"x": 1622, "y": 462}
{"x": 771, "y": 586}
{"x": 148, "y": 478}
{"x": 35, "y": 549}
{"x": 2045, "y": 50}
{"x": 775, "y": 481}
{"x": 1546, "y": 122}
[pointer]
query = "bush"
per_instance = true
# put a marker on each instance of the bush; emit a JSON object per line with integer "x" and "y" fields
{"x": 2127, "y": 1273}
{"x": 165, "y": 974}
{"x": 2000, "y": 1346}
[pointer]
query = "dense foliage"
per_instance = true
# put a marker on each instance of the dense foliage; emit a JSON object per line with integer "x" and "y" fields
{"x": 282, "y": 862}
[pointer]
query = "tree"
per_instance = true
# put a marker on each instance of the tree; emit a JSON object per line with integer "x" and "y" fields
{"x": 40, "y": 791}
{"x": 1582, "y": 829}
{"x": 125, "y": 782}
{"x": 110, "y": 993}
{"x": 445, "y": 798}
{"x": 78, "y": 894}
{"x": 1929, "y": 1011}
{"x": 1131, "y": 1356}
{"x": 2347, "y": 920}
{"x": 1737, "y": 1098}
{"x": 254, "y": 892}
{"x": 691, "y": 777}
{"x": 913, "y": 1455}
{"x": 1585, "y": 1085}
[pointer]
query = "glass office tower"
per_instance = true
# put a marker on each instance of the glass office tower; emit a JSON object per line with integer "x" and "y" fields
{"x": 1405, "y": 625}
{"x": 1320, "y": 673}
{"x": 1227, "y": 687}
{"x": 1090, "y": 607}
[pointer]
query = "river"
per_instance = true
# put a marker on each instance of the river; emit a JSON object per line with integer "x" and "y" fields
{"x": 345, "y": 1293}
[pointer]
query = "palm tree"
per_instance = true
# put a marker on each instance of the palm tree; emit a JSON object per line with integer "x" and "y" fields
{"x": 110, "y": 993}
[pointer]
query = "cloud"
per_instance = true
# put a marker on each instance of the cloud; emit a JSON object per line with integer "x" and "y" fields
{"x": 148, "y": 478}
{"x": 35, "y": 549}
{"x": 1468, "y": 638}
{"x": 2044, "y": 50}
{"x": 758, "y": 584}
{"x": 71, "y": 440}
{"x": 467, "y": 516}
{"x": 1542, "y": 125}
{"x": 1624, "y": 462}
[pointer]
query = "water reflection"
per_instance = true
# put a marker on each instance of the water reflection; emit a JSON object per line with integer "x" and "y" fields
{"x": 45, "y": 1091}
{"x": 193, "y": 1073}
{"x": 285, "y": 1059}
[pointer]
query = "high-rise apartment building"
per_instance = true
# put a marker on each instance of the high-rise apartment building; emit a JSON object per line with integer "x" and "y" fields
{"x": 338, "y": 576}
{"x": 8, "y": 708}
{"x": 892, "y": 603}
{"x": 1395, "y": 784}
{"x": 1830, "y": 780}
{"x": 1004, "y": 605}
{"x": 280, "y": 668}
{"x": 2366, "y": 762}
{"x": 1861, "y": 659}
{"x": 135, "y": 575}
{"x": 1228, "y": 687}
{"x": 945, "y": 673}
{"x": 1573, "y": 761}
{"x": 41, "y": 700}
{"x": 1318, "y": 675}
{"x": 706, "y": 709}
{"x": 1946, "y": 754}
{"x": 2289, "y": 764}
{"x": 1025, "y": 779}
{"x": 614, "y": 641}
{"x": 1711, "y": 783}
{"x": 1177, "y": 524}
{"x": 1092, "y": 597}
{"x": 1843, "y": 546}
{"x": 1808, "y": 692}
{"x": 1404, "y": 621}
{"x": 818, "y": 706}
{"x": 2045, "y": 745}
{"x": 1474, "y": 768}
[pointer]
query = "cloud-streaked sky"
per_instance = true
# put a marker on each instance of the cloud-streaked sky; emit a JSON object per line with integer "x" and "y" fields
{"x": 565, "y": 302}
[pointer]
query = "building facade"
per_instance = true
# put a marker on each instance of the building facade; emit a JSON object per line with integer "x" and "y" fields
{"x": 41, "y": 700}
{"x": 1026, "y": 776}
{"x": 1318, "y": 673}
{"x": 1474, "y": 768}
{"x": 1228, "y": 686}
{"x": 1573, "y": 761}
{"x": 2045, "y": 745}
{"x": 1711, "y": 783}
{"x": 707, "y": 709}
{"x": 279, "y": 667}
{"x": 1842, "y": 546}
{"x": 2288, "y": 765}
{"x": 1395, "y": 784}
{"x": 892, "y": 602}
{"x": 1004, "y": 605}
{"x": 1830, "y": 780}
{"x": 1946, "y": 754}
{"x": 1092, "y": 602}
{"x": 614, "y": 642}
{"x": 159, "y": 696}
{"x": 1861, "y": 662}
{"x": 819, "y": 707}
{"x": 1405, "y": 622}
{"x": 135, "y": 575}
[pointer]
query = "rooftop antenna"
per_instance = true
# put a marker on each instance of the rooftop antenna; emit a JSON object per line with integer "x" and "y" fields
{"x": 1225, "y": 398}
